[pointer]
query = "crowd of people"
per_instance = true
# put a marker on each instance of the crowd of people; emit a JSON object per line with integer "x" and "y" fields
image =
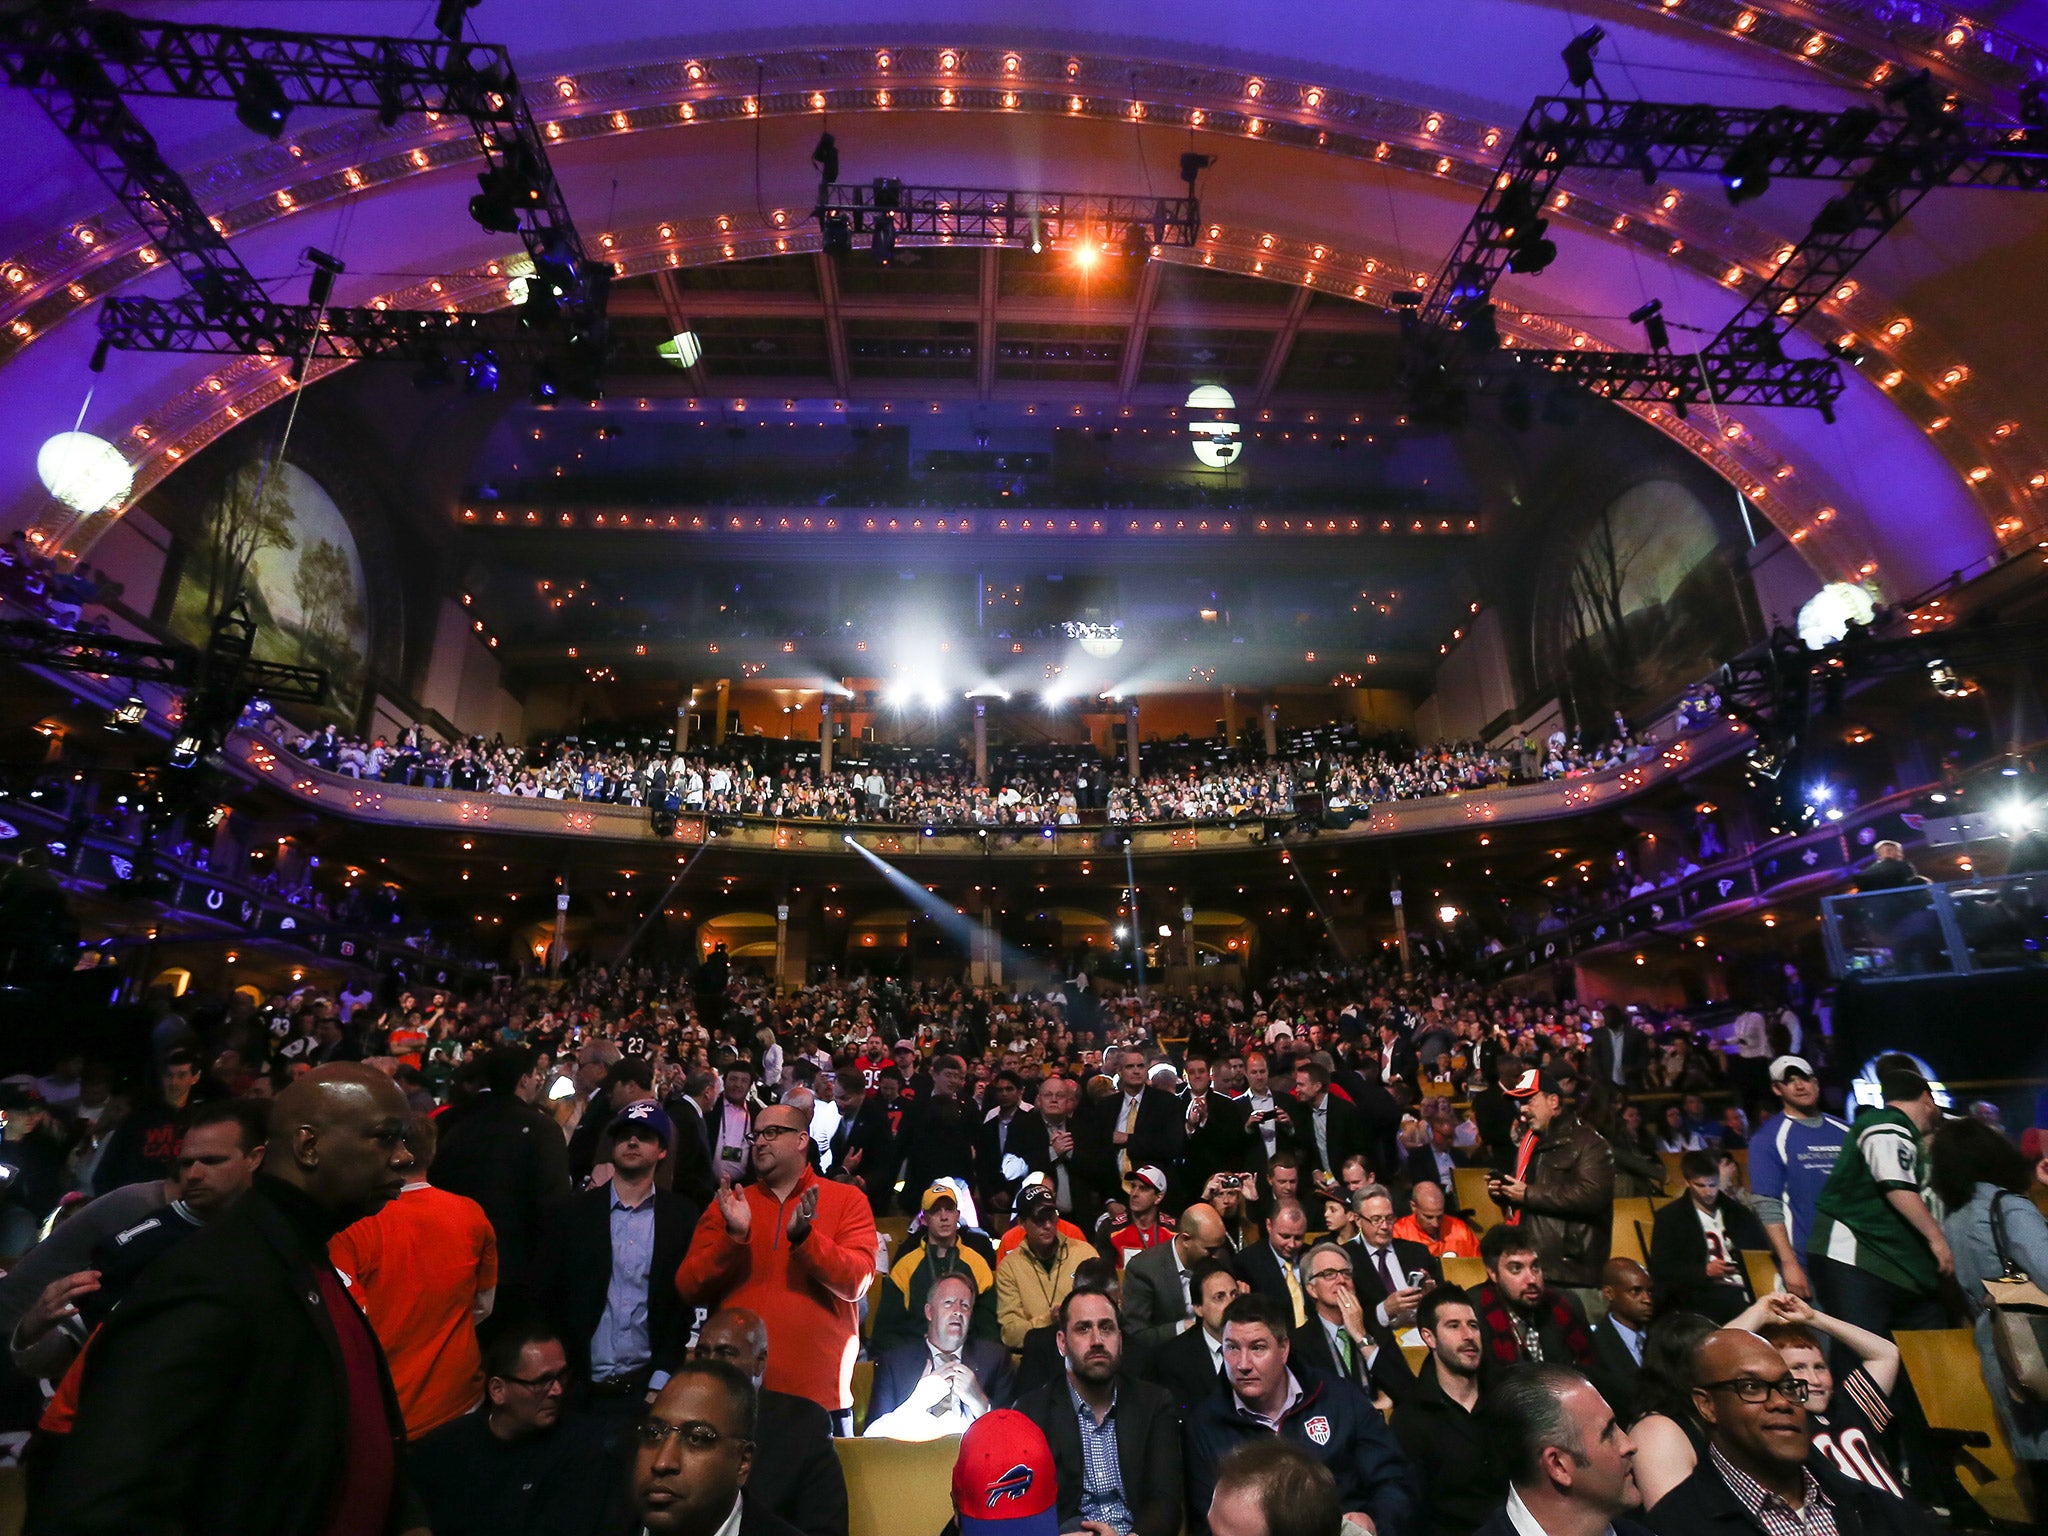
{"x": 735, "y": 784}
{"x": 611, "y": 1253}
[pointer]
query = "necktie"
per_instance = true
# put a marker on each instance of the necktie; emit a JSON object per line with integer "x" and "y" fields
{"x": 1343, "y": 1343}
{"x": 1127, "y": 1122}
{"x": 1294, "y": 1293}
{"x": 1387, "y": 1274}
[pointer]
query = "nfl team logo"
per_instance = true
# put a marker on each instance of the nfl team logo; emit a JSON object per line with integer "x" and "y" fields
{"x": 1318, "y": 1429}
{"x": 1016, "y": 1482}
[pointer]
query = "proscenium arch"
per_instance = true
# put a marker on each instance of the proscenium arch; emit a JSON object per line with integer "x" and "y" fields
{"x": 1345, "y": 123}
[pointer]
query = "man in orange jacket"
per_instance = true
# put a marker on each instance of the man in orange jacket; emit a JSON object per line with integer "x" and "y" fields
{"x": 799, "y": 1252}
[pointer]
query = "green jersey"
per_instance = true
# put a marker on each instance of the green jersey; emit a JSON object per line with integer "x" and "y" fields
{"x": 1855, "y": 1224}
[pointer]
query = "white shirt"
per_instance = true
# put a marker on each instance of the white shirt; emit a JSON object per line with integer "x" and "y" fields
{"x": 1525, "y": 1524}
{"x": 730, "y": 1526}
{"x": 1262, "y": 1103}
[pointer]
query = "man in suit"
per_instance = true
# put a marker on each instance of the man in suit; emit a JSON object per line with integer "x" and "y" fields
{"x": 863, "y": 1152}
{"x": 694, "y": 1458}
{"x": 1330, "y": 1129}
{"x": 690, "y": 1171}
{"x": 507, "y": 1155}
{"x": 1760, "y": 1474}
{"x": 937, "y": 1141}
{"x": 1270, "y": 1265}
{"x": 1115, "y": 1439}
{"x": 1217, "y": 1139}
{"x": 238, "y": 1387}
{"x": 1158, "y": 1282}
{"x": 1617, "y": 1366}
{"x": 1009, "y": 1130}
{"x": 1190, "y": 1364}
{"x": 1571, "y": 1468}
{"x": 1386, "y": 1263}
{"x": 612, "y": 1252}
{"x": 1341, "y": 1338}
{"x": 945, "y": 1365}
{"x": 801, "y": 1481}
{"x": 1136, "y": 1125}
{"x": 1439, "y": 1425}
{"x": 1616, "y": 1053}
{"x": 1696, "y": 1245}
{"x": 1066, "y": 1149}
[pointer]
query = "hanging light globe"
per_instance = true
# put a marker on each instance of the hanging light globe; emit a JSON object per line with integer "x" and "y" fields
{"x": 88, "y": 474}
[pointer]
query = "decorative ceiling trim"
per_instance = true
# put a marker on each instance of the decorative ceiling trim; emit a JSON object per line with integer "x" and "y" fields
{"x": 1997, "y": 458}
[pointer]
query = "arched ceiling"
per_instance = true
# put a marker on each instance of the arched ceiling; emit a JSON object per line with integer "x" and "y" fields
{"x": 1351, "y": 143}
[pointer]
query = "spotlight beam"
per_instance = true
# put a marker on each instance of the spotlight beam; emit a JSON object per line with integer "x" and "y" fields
{"x": 963, "y": 931}
{"x": 666, "y": 896}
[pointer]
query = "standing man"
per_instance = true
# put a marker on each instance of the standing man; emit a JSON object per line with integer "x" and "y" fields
{"x": 1136, "y": 1125}
{"x": 612, "y": 1252}
{"x": 1268, "y": 1114}
{"x": 797, "y": 1251}
{"x": 970, "y": 1375}
{"x": 143, "y": 1146}
{"x": 1116, "y": 1441}
{"x": 1439, "y": 1427}
{"x": 1341, "y": 1338}
{"x": 1524, "y": 1320}
{"x": 1752, "y": 1040}
{"x": 1010, "y": 1144}
{"x": 1332, "y": 1130}
{"x": 1217, "y": 1139}
{"x": 509, "y": 1157}
{"x": 1790, "y": 1158}
{"x": 1561, "y": 1193}
{"x": 732, "y": 1124}
{"x": 1056, "y": 1099}
{"x": 802, "y": 1482}
{"x": 862, "y": 1151}
{"x": 424, "y": 1270}
{"x": 520, "y": 1467}
{"x": 1696, "y": 1246}
{"x": 1330, "y": 1419}
{"x": 1617, "y": 1052}
{"x": 938, "y": 1132}
{"x": 1270, "y": 1265}
{"x": 690, "y": 1113}
{"x": 239, "y": 1388}
{"x": 1572, "y": 1468}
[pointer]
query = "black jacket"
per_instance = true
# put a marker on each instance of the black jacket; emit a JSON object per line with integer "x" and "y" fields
{"x": 1182, "y": 1366}
{"x": 1261, "y": 1266}
{"x": 510, "y": 1158}
{"x": 556, "y": 1483}
{"x": 937, "y": 1142}
{"x": 1678, "y": 1258}
{"x": 215, "y": 1397}
{"x": 1635, "y": 1056}
{"x": 1462, "y": 1481}
{"x": 1158, "y": 1137}
{"x": 796, "y": 1473}
{"x": 1027, "y": 1140}
{"x": 1334, "y": 1422}
{"x": 690, "y": 1158}
{"x": 1346, "y": 1131}
{"x": 1220, "y": 1144}
{"x": 1408, "y": 1258}
{"x": 1703, "y": 1505}
{"x": 898, "y": 1372}
{"x": 867, "y": 1132}
{"x": 1147, "y": 1451}
{"x": 1615, "y": 1372}
{"x": 579, "y": 1272}
{"x": 1388, "y": 1373}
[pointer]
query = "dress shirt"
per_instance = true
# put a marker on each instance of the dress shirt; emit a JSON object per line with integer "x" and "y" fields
{"x": 1386, "y": 1263}
{"x": 1246, "y": 1410}
{"x": 1342, "y": 1348}
{"x": 1102, "y": 1478}
{"x": 1127, "y": 1122}
{"x": 1814, "y": 1517}
{"x": 620, "y": 1345}
{"x": 1518, "y": 1516}
{"x": 1269, "y": 1130}
{"x": 1321, "y": 1117}
{"x": 1294, "y": 1291}
{"x": 729, "y": 1145}
{"x": 1062, "y": 1180}
{"x": 1629, "y": 1337}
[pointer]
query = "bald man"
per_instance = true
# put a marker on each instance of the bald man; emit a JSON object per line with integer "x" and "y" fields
{"x": 796, "y": 1250}
{"x": 800, "y": 1480}
{"x": 239, "y": 1388}
{"x": 1617, "y": 1365}
{"x": 1157, "y": 1301}
{"x": 1760, "y": 1476}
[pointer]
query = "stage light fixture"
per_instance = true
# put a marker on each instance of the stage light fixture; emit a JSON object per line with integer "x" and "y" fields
{"x": 545, "y": 388}
{"x": 448, "y": 16}
{"x": 1746, "y": 173}
{"x": 482, "y": 372}
{"x": 836, "y": 235}
{"x": 1847, "y": 352}
{"x": 1650, "y": 317}
{"x": 128, "y": 714}
{"x": 260, "y": 104}
{"x": 1536, "y": 253}
{"x": 326, "y": 269}
{"x": 1578, "y": 56}
{"x": 186, "y": 751}
{"x": 883, "y": 243}
{"x": 826, "y": 158}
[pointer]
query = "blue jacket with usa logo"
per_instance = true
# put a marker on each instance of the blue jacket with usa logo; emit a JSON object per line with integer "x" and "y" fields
{"x": 1334, "y": 1422}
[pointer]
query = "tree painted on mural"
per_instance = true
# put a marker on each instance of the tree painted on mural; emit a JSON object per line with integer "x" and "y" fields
{"x": 1651, "y": 603}
{"x": 279, "y": 540}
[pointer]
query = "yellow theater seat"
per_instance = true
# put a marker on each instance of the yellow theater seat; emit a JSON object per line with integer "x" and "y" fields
{"x": 894, "y": 1488}
{"x": 1942, "y": 1364}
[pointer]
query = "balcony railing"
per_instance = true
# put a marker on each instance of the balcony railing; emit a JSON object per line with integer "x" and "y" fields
{"x": 1961, "y": 928}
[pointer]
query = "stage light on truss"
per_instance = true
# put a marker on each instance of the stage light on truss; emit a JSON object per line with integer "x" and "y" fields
{"x": 1746, "y": 173}
{"x": 128, "y": 714}
{"x": 87, "y": 473}
{"x": 682, "y": 350}
{"x": 1578, "y": 56}
{"x": 260, "y": 104}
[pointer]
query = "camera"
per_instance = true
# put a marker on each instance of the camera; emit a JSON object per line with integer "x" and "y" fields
{"x": 1230, "y": 1181}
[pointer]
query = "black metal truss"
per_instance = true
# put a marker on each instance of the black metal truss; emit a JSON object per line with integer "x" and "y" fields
{"x": 79, "y": 63}
{"x": 1011, "y": 216}
{"x": 298, "y": 331}
{"x": 34, "y": 643}
{"x": 1890, "y": 161}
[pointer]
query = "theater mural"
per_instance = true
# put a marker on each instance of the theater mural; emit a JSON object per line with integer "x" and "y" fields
{"x": 1653, "y": 595}
{"x": 280, "y": 539}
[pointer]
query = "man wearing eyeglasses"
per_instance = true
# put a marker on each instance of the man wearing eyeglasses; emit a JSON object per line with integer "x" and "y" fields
{"x": 1760, "y": 1474}
{"x": 1342, "y": 1337}
{"x": 523, "y": 1466}
{"x": 694, "y": 1453}
{"x": 797, "y": 1251}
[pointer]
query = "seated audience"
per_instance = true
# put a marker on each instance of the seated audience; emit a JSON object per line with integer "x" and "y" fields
{"x": 1462, "y": 1480}
{"x": 1392, "y": 1273}
{"x": 1270, "y": 1266}
{"x": 1035, "y": 1278}
{"x": 1572, "y": 1467}
{"x": 1525, "y": 1321}
{"x": 1341, "y": 1338}
{"x": 940, "y": 1249}
{"x": 1272, "y": 1488}
{"x": 1618, "y": 1339}
{"x": 1158, "y": 1285}
{"x": 1190, "y": 1363}
{"x": 1430, "y": 1226}
{"x": 695, "y": 1455}
{"x": 1697, "y": 1243}
{"x": 1851, "y": 1417}
{"x": 1115, "y": 1440}
{"x": 946, "y": 1373}
{"x": 800, "y": 1479}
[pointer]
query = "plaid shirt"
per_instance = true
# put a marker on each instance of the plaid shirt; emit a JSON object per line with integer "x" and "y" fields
{"x": 1508, "y": 1340}
{"x": 1102, "y": 1476}
{"x": 1814, "y": 1517}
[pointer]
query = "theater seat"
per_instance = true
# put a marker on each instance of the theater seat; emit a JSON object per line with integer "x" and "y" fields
{"x": 1472, "y": 1196}
{"x": 1761, "y": 1266}
{"x": 894, "y": 1488}
{"x": 1630, "y": 1236}
{"x": 1942, "y": 1364}
{"x": 863, "y": 1389}
{"x": 1463, "y": 1271}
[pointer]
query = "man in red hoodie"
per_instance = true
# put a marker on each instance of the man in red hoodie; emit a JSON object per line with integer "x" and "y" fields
{"x": 799, "y": 1252}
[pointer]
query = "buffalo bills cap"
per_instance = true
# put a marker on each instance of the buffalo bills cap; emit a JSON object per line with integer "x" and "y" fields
{"x": 1003, "y": 1482}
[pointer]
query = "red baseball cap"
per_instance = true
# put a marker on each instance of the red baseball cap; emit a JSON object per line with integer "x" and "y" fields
{"x": 1003, "y": 1481}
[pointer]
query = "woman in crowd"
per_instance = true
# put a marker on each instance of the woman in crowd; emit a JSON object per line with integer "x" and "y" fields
{"x": 1638, "y": 1170}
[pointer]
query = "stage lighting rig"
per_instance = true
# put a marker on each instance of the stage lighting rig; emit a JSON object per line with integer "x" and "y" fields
{"x": 1650, "y": 317}
{"x": 826, "y": 158}
{"x": 1026, "y": 220}
{"x": 1578, "y": 58}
